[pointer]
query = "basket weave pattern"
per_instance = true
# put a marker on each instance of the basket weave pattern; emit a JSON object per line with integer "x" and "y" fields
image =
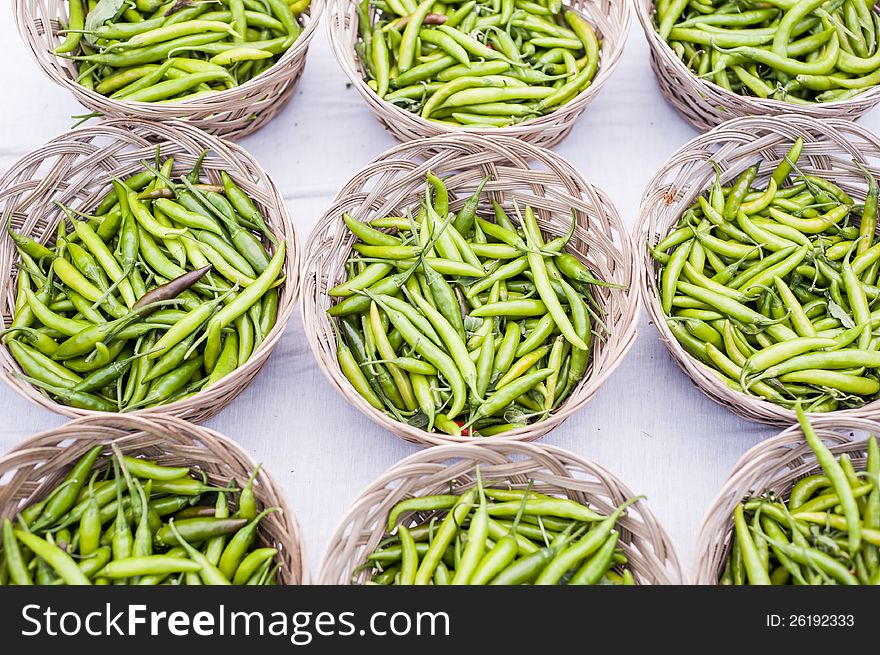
{"x": 232, "y": 113}
{"x": 503, "y": 463}
{"x": 75, "y": 168}
{"x": 829, "y": 150}
{"x": 519, "y": 172}
{"x": 32, "y": 469}
{"x": 610, "y": 19}
{"x": 704, "y": 104}
{"x": 773, "y": 465}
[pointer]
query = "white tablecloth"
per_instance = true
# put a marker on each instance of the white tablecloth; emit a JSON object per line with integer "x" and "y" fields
{"x": 648, "y": 425}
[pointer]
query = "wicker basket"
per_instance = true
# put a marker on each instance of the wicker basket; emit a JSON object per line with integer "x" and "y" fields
{"x": 232, "y": 113}
{"x": 611, "y": 18}
{"x": 518, "y": 172}
{"x": 773, "y": 465}
{"x": 704, "y": 104}
{"x": 502, "y": 462}
{"x": 75, "y": 168}
{"x": 829, "y": 149}
{"x": 31, "y": 470}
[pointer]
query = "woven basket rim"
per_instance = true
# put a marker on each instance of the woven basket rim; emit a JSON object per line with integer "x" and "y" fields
{"x": 133, "y": 425}
{"x": 660, "y": 48}
{"x": 207, "y": 402}
{"x": 752, "y": 408}
{"x": 475, "y": 452}
{"x": 298, "y": 49}
{"x": 624, "y": 336}
{"x": 750, "y": 472}
{"x": 390, "y": 112}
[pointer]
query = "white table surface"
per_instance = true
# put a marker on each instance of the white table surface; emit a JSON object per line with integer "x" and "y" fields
{"x": 649, "y": 425}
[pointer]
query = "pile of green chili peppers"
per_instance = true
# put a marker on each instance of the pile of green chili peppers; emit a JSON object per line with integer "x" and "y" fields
{"x": 774, "y": 288}
{"x": 494, "y": 536}
{"x": 487, "y": 64}
{"x": 165, "y": 290}
{"x": 131, "y": 521}
{"x": 449, "y": 315}
{"x": 171, "y": 50}
{"x": 826, "y": 532}
{"x": 799, "y": 51}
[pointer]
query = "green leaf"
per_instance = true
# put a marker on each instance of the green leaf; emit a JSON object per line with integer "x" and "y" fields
{"x": 103, "y": 11}
{"x": 472, "y": 323}
{"x": 418, "y": 420}
{"x": 515, "y": 416}
{"x": 840, "y": 314}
